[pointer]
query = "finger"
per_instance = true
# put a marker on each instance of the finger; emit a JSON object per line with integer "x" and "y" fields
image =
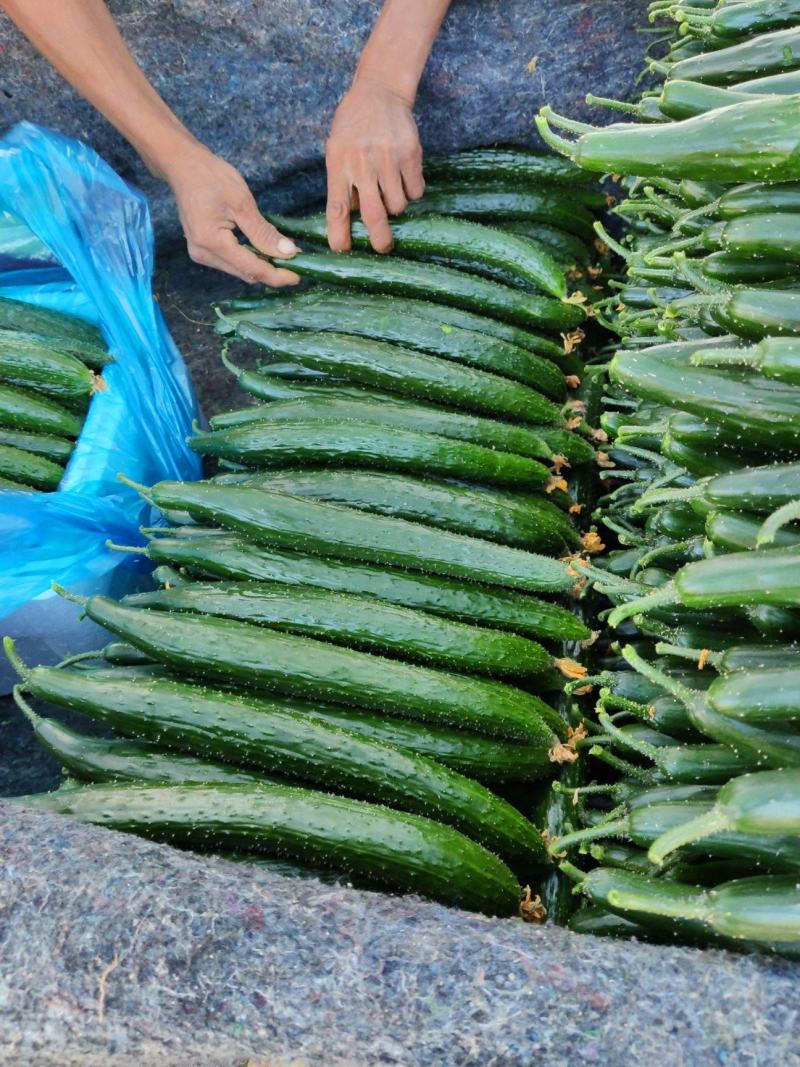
{"x": 373, "y": 212}
{"x": 262, "y": 234}
{"x": 337, "y": 211}
{"x": 413, "y": 180}
{"x": 391, "y": 185}
{"x": 226, "y": 254}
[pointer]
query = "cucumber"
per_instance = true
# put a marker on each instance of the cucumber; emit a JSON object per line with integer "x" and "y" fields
{"x": 383, "y": 319}
{"x": 57, "y": 449}
{"x": 454, "y": 242}
{"x": 539, "y": 205}
{"x": 357, "y": 622}
{"x": 227, "y": 556}
{"x": 523, "y": 521}
{"x": 242, "y": 654}
{"x": 520, "y": 166}
{"x": 330, "y": 402}
{"x": 378, "y": 364}
{"x": 29, "y": 469}
{"x": 512, "y": 163}
{"x": 441, "y": 285}
{"x": 379, "y": 303}
{"x": 331, "y": 443}
{"x": 565, "y": 247}
{"x": 24, "y": 411}
{"x": 27, "y": 362}
{"x": 271, "y": 737}
{"x": 283, "y": 521}
{"x": 17, "y": 487}
{"x": 394, "y": 849}
{"x": 116, "y": 759}
{"x": 65, "y": 332}
{"x": 486, "y": 759}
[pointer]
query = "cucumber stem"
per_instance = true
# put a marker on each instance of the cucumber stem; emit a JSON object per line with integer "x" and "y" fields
{"x": 613, "y": 244}
{"x": 694, "y": 654}
{"x": 228, "y": 364}
{"x": 623, "y": 766}
{"x": 711, "y": 822}
{"x": 14, "y": 658}
{"x": 677, "y": 689}
{"x": 616, "y": 828}
{"x": 770, "y": 528}
{"x": 564, "y": 123}
{"x": 636, "y": 745}
{"x": 558, "y": 144}
{"x": 614, "y": 105}
{"x": 141, "y": 489}
{"x": 80, "y": 658}
{"x": 575, "y": 874}
{"x": 134, "y": 551}
{"x": 25, "y": 707}
{"x": 73, "y": 598}
{"x": 666, "y": 496}
{"x": 663, "y": 597}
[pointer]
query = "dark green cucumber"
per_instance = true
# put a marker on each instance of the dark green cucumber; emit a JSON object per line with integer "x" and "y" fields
{"x": 431, "y": 281}
{"x": 227, "y": 556}
{"x": 453, "y": 241}
{"x": 65, "y": 332}
{"x": 242, "y": 654}
{"x": 29, "y": 363}
{"x": 29, "y": 469}
{"x": 377, "y": 364}
{"x": 540, "y": 205}
{"x": 486, "y": 759}
{"x": 57, "y": 449}
{"x": 521, "y": 166}
{"x": 440, "y": 314}
{"x": 357, "y": 622}
{"x": 312, "y": 443}
{"x": 283, "y": 521}
{"x": 386, "y": 319}
{"x": 394, "y": 849}
{"x": 17, "y": 487}
{"x": 275, "y": 738}
{"x": 116, "y": 759}
{"x": 24, "y": 411}
{"x": 567, "y": 248}
{"x": 733, "y": 531}
{"x": 306, "y": 402}
{"x": 531, "y": 522}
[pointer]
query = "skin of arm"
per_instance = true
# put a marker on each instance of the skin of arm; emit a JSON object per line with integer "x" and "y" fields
{"x": 81, "y": 40}
{"x": 373, "y": 154}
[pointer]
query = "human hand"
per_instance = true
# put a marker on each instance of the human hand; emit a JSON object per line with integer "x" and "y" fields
{"x": 374, "y": 161}
{"x": 214, "y": 201}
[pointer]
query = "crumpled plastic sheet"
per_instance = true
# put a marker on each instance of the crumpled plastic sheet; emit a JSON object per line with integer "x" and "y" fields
{"x": 117, "y": 950}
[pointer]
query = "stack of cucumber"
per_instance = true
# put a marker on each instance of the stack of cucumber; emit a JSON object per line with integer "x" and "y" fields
{"x": 356, "y": 658}
{"x": 50, "y": 366}
{"x": 695, "y": 814}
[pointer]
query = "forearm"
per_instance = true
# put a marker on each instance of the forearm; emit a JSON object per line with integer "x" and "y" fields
{"x": 400, "y": 44}
{"x": 81, "y": 40}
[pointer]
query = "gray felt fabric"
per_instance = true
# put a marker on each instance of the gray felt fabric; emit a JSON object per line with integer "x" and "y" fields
{"x": 208, "y": 963}
{"x": 258, "y": 80}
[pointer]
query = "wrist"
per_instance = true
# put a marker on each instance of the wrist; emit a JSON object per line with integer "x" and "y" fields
{"x": 169, "y": 151}
{"x": 401, "y": 88}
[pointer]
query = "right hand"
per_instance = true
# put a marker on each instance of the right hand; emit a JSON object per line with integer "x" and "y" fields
{"x": 214, "y": 201}
{"x": 374, "y": 161}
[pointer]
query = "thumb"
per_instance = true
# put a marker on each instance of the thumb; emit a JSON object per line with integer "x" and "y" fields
{"x": 262, "y": 234}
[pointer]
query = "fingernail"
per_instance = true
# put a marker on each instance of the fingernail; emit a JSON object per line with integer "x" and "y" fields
{"x": 287, "y": 247}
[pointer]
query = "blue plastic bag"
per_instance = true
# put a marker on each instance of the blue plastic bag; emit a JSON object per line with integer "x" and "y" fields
{"x": 98, "y": 234}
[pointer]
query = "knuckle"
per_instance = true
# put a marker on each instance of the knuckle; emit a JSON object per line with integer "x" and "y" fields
{"x": 337, "y": 210}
